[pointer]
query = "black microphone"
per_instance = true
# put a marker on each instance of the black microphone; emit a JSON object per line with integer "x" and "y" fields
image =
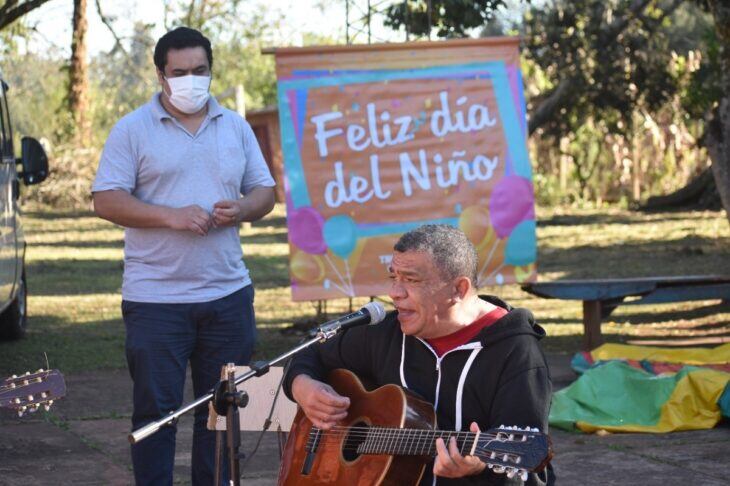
{"x": 371, "y": 313}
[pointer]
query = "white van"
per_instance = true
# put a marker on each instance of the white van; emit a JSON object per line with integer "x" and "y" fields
{"x": 13, "y": 291}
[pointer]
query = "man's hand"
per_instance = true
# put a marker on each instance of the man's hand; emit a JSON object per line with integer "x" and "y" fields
{"x": 322, "y": 405}
{"x": 451, "y": 464}
{"x": 228, "y": 213}
{"x": 191, "y": 218}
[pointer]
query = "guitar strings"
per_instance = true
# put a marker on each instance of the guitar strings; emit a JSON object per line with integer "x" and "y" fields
{"x": 385, "y": 433}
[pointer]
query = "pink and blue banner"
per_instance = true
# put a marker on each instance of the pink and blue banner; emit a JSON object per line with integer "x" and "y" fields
{"x": 378, "y": 140}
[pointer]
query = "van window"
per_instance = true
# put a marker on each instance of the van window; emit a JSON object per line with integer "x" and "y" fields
{"x": 7, "y": 133}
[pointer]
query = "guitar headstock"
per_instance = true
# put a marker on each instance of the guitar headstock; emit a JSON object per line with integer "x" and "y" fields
{"x": 514, "y": 450}
{"x": 26, "y": 393}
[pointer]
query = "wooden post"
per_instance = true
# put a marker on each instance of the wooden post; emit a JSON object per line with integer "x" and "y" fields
{"x": 592, "y": 337}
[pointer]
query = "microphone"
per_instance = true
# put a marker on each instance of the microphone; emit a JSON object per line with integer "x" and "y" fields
{"x": 371, "y": 313}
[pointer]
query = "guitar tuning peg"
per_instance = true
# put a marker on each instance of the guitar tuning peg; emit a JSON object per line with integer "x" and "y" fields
{"x": 511, "y": 472}
{"x": 47, "y": 406}
{"x": 523, "y": 475}
{"x": 27, "y": 373}
{"x": 21, "y": 411}
{"x": 490, "y": 466}
{"x": 505, "y": 458}
{"x": 14, "y": 377}
{"x": 499, "y": 469}
{"x": 34, "y": 408}
{"x": 40, "y": 370}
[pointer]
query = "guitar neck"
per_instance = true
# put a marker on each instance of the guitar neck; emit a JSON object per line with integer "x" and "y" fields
{"x": 411, "y": 442}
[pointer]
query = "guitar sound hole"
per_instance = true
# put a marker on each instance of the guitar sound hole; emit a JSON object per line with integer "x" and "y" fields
{"x": 355, "y": 436}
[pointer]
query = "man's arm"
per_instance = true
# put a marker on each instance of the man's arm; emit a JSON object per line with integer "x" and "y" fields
{"x": 253, "y": 206}
{"x": 122, "y": 208}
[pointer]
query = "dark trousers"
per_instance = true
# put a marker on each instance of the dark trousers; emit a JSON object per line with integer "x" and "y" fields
{"x": 161, "y": 339}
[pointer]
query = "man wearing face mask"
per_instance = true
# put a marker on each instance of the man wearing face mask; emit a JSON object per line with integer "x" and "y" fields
{"x": 180, "y": 174}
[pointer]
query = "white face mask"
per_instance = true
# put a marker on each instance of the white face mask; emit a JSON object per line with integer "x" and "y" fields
{"x": 189, "y": 93}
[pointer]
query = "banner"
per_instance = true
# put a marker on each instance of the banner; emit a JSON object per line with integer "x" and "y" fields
{"x": 380, "y": 139}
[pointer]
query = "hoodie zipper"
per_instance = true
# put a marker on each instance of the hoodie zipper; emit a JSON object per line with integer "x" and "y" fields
{"x": 463, "y": 347}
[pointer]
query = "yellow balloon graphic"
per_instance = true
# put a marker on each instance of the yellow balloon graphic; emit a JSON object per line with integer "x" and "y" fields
{"x": 474, "y": 222}
{"x": 307, "y": 268}
{"x": 524, "y": 272}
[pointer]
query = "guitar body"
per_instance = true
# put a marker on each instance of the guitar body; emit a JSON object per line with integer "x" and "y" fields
{"x": 331, "y": 463}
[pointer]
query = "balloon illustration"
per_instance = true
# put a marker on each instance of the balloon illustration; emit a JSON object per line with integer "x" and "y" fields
{"x": 512, "y": 201}
{"x": 307, "y": 268}
{"x": 474, "y": 222}
{"x": 521, "y": 246}
{"x": 524, "y": 272}
{"x": 340, "y": 235}
{"x": 305, "y": 230}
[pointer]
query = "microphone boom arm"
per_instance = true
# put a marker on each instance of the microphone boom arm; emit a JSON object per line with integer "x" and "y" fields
{"x": 325, "y": 332}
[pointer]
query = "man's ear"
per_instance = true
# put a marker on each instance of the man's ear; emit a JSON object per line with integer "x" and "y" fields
{"x": 462, "y": 286}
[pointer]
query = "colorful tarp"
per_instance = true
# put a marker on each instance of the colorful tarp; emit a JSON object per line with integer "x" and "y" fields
{"x": 620, "y": 393}
{"x": 380, "y": 139}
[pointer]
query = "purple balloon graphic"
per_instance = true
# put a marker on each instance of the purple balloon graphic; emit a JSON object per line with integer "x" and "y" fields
{"x": 305, "y": 230}
{"x": 512, "y": 201}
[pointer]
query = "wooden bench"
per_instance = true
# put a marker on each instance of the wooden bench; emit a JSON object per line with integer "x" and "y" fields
{"x": 601, "y": 297}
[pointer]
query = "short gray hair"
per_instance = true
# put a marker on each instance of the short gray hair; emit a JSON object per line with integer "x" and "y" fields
{"x": 451, "y": 251}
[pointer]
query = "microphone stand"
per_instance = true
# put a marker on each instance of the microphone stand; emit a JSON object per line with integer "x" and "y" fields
{"x": 226, "y": 397}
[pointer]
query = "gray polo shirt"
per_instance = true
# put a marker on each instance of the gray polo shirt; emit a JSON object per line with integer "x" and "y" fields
{"x": 150, "y": 155}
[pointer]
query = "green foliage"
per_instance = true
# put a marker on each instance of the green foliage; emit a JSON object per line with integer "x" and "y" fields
{"x": 451, "y": 18}
{"x": 612, "y": 73}
{"x": 705, "y": 87}
{"x": 36, "y": 98}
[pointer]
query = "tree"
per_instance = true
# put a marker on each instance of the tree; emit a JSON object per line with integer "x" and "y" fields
{"x": 718, "y": 129}
{"x": 78, "y": 86}
{"x": 12, "y": 10}
{"x": 450, "y": 18}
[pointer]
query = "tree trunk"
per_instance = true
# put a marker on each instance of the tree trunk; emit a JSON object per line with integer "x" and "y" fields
{"x": 699, "y": 193}
{"x": 78, "y": 77}
{"x": 718, "y": 130}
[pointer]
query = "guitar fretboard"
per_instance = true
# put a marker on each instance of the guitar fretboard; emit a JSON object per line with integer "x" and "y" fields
{"x": 397, "y": 441}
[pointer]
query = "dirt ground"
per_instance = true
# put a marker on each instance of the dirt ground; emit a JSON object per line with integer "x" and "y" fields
{"x": 85, "y": 443}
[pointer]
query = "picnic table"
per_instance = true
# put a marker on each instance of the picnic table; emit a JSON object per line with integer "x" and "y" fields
{"x": 601, "y": 296}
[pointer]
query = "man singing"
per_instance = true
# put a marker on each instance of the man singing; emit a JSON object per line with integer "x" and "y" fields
{"x": 475, "y": 358}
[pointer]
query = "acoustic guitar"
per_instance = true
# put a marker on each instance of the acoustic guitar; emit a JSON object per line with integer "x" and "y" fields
{"x": 28, "y": 392}
{"x": 389, "y": 436}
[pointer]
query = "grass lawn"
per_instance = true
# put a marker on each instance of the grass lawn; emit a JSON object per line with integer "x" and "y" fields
{"x": 74, "y": 269}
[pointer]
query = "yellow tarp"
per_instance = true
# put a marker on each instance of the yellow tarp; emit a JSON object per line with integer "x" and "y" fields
{"x": 691, "y": 406}
{"x": 689, "y": 356}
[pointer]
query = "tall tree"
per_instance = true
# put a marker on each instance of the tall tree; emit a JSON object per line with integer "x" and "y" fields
{"x": 718, "y": 129}
{"x": 78, "y": 86}
{"x": 12, "y": 10}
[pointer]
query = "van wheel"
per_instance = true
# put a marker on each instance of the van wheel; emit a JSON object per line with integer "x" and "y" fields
{"x": 13, "y": 320}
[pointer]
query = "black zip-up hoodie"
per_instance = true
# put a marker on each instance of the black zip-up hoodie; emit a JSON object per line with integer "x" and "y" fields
{"x": 504, "y": 372}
